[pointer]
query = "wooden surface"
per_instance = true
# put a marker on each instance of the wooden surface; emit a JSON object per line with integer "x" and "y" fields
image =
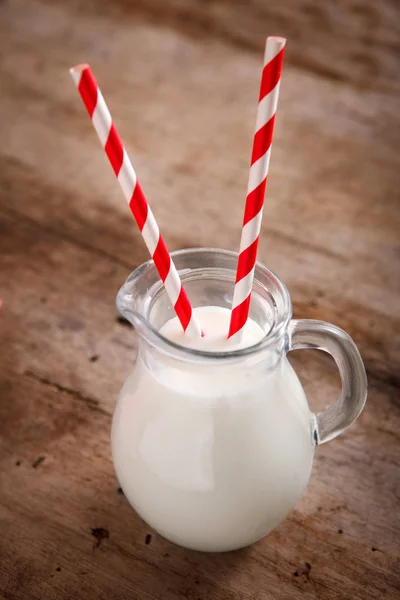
{"x": 181, "y": 79}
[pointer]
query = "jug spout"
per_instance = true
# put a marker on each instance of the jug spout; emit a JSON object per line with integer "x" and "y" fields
{"x": 136, "y": 295}
{"x": 127, "y": 307}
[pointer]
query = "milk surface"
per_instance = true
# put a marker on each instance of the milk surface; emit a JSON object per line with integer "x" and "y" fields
{"x": 214, "y": 321}
{"x": 212, "y": 456}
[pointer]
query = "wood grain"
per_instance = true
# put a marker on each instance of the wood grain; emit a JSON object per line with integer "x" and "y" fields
{"x": 181, "y": 79}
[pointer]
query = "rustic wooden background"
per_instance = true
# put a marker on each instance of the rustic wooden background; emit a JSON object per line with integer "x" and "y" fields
{"x": 181, "y": 79}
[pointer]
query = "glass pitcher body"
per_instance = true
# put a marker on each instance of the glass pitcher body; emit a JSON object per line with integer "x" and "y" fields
{"x": 213, "y": 449}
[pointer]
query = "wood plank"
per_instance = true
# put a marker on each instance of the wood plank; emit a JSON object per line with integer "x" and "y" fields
{"x": 348, "y": 41}
{"x": 67, "y": 243}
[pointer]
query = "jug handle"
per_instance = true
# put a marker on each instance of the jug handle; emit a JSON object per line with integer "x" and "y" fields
{"x": 318, "y": 335}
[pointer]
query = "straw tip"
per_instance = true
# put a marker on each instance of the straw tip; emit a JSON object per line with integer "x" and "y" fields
{"x": 78, "y": 68}
{"x": 276, "y": 39}
{"x": 76, "y": 72}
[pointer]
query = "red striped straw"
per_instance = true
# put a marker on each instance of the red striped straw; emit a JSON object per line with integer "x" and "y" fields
{"x": 123, "y": 169}
{"x": 267, "y": 103}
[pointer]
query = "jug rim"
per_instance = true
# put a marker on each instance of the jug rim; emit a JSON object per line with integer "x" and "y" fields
{"x": 156, "y": 339}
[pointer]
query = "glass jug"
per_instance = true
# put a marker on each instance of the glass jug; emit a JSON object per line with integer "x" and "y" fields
{"x": 213, "y": 449}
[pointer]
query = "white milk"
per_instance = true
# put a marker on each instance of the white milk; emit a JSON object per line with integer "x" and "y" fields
{"x": 212, "y": 456}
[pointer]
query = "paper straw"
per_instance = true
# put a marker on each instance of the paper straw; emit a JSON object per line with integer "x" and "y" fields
{"x": 267, "y": 103}
{"x": 123, "y": 169}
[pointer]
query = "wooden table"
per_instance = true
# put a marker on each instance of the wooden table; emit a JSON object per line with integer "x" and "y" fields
{"x": 181, "y": 79}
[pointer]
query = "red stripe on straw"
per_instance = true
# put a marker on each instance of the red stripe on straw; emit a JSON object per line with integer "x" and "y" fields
{"x": 247, "y": 260}
{"x": 88, "y": 90}
{"x": 186, "y": 309}
{"x": 138, "y": 205}
{"x": 114, "y": 150}
{"x": 262, "y": 140}
{"x": 271, "y": 74}
{"x": 239, "y": 316}
{"x": 255, "y": 202}
{"x": 162, "y": 259}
